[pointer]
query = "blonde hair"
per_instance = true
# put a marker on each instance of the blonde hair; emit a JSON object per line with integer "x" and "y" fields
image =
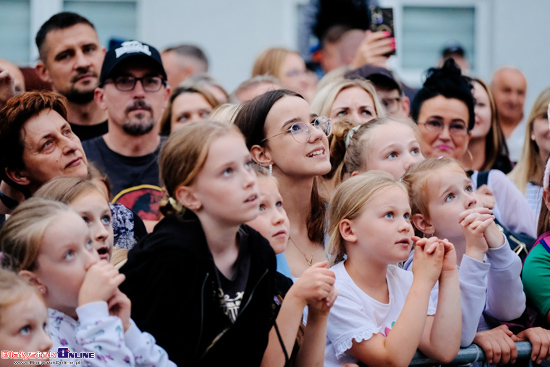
{"x": 324, "y": 98}
{"x": 22, "y": 233}
{"x": 348, "y": 202}
{"x": 183, "y": 156}
{"x": 13, "y": 289}
{"x": 357, "y": 152}
{"x": 67, "y": 189}
{"x": 530, "y": 166}
{"x": 417, "y": 178}
{"x": 270, "y": 61}
{"x": 225, "y": 113}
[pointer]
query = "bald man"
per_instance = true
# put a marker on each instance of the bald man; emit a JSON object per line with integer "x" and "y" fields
{"x": 12, "y": 81}
{"x": 509, "y": 87}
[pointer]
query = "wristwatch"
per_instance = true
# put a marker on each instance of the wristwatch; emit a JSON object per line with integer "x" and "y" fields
{"x": 7, "y": 201}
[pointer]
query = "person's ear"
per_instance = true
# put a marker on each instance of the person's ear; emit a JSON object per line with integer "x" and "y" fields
{"x": 42, "y": 71}
{"x": 355, "y": 173}
{"x": 17, "y": 176}
{"x": 185, "y": 196}
{"x": 34, "y": 280}
{"x": 546, "y": 197}
{"x": 261, "y": 155}
{"x": 99, "y": 97}
{"x": 406, "y": 105}
{"x": 346, "y": 231}
{"x": 422, "y": 224}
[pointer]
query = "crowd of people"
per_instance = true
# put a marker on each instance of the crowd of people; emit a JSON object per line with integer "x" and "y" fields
{"x": 150, "y": 217}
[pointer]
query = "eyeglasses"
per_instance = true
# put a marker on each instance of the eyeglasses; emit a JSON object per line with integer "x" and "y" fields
{"x": 456, "y": 128}
{"x": 300, "y": 130}
{"x": 391, "y": 104}
{"x": 126, "y": 83}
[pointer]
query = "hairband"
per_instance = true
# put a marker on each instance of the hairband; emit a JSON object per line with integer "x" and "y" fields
{"x": 350, "y": 134}
{"x": 173, "y": 202}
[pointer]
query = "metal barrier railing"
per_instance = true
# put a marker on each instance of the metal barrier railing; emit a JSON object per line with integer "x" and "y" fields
{"x": 473, "y": 354}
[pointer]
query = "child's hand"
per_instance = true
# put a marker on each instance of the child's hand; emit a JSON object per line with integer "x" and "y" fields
{"x": 485, "y": 197}
{"x": 428, "y": 259}
{"x": 100, "y": 283}
{"x": 120, "y": 306}
{"x": 494, "y": 236}
{"x": 315, "y": 287}
{"x": 498, "y": 345}
{"x": 474, "y": 222}
{"x": 449, "y": 258}
{"x": 540, "y": 342}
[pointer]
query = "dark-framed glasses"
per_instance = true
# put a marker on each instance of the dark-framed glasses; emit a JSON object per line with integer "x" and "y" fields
{"x": 126, "y": 83}
{"x": 456, "y": 128}
{"x": 300, "y": 130}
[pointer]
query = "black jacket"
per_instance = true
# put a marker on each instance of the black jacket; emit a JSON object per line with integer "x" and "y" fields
{"x": 171, "y": 281}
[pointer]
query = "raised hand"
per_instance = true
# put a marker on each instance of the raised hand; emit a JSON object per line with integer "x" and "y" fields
{"x": 100, "y": 283}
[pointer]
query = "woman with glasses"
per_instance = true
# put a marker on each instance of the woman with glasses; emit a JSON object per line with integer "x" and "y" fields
{"x": 529, "y": 171}
{"x": 444, "y": 111}
{"x": 349, "y": 99}
{"x": 284, "y": 134}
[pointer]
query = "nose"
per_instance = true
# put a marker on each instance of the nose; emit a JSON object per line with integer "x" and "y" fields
{"x": 99, "y": 232}
{"x": 82, "y": 61}
{"x": 71, "y": 144}
{"x": 138, "y": 90}
{"x": 278, "y": 216}
{"x": 315, "y": 133}
{"x": 405, "y": 225}
{"x": 45, "y": 342}
{"x": 471, "y": 200}
{"x": 249, "y": 178}
{"x": 445, "y": 134}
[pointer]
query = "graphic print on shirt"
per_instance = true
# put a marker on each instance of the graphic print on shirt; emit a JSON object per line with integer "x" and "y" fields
{"x": 230, "y": 306}
{"x": 143, "y": 200}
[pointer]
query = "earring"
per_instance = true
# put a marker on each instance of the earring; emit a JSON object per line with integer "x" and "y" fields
{"x": 532, "y": 136}
{"x": 271, "y": 170}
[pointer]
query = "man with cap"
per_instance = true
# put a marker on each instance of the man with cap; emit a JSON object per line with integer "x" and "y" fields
{"x": 389, "y": 91}
{"x": 133, "y": 89}
{"x": 70, "y": 59}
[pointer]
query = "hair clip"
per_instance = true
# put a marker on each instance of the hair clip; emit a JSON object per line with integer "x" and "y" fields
{"x": 350, "y": 134}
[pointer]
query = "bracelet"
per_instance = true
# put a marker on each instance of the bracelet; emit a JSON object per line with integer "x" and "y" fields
{"x": 7, "y": 201}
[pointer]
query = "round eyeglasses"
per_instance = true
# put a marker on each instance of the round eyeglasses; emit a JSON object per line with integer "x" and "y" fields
{"x": 456, "y": 128}
{"x": 126, "y": 83}
{"x": 300, "y": 130}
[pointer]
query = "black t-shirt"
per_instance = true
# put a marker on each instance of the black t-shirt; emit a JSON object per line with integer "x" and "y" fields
{"x": 85, "y": 132}
{"x": 135, "y": 180}
{"x": 232, "y": 290}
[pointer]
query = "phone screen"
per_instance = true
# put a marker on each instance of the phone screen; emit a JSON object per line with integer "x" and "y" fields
{"x": 382, "y": 20}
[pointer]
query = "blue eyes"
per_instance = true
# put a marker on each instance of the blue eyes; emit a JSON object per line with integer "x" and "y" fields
{"x": 391, "y": 215}
{"x": 25, "y": 330}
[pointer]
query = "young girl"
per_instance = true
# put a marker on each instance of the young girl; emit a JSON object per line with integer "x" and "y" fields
{"x": 88, "y": 200}
{"x": 283, "y": 133}
{"x": 202, "y": 282}
{"x": 23, "y": 318}
{"x": 444, "y": 205}
{"x": 383, "y": 313}
{"x": 50, "y": 245}
{"x": 313, "y": 289}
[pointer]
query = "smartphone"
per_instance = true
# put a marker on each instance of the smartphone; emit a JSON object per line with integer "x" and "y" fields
{"x": 381, "y": 19}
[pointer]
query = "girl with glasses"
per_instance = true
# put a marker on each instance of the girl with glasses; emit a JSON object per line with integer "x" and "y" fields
{"x": 284, "y": 134}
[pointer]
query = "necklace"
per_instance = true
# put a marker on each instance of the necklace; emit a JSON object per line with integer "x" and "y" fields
{"x": 308, "y": 261}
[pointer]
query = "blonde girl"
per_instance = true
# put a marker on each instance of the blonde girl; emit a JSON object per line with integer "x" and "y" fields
{"x": 383, "y": 313}
{"x": 202, "y": 282}
{"x": 23, "y": 318}
{"x": 49, "y": 244}
{"x": 444, "y": 205}
{"x": 272, "y": 223}
{"x": 352, "y": 99}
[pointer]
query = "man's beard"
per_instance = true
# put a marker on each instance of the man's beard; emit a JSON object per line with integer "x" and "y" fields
{"x": 138, "y": 126}
{"x": 79, "y": 97}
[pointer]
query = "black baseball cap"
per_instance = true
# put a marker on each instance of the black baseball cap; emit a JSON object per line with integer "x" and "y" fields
{"x": 379, "y": 76}
{"x": 128, "y": 49}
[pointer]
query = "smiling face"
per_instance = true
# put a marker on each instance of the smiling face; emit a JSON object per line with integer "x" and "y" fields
{"x": 51, "y": 149}
{"x": 450, "y": 193}
{"x": 24, "y": 326}
{"x": 483, "y": 112}
{"x": 189, "y": 107}
{"x": 226, "y": 188}
{"x": 355, "y": 104}
{"x": 393, "y": 148}
{"x": 94, "y": 208}
{"x": 272, "y": 222}
{"x": 383, "y": 229}
{"x": 65, "y": 255}
{"x": 288, "y": 156}
{"x": 450, "y": 113}
{"x": 73, "y": 58}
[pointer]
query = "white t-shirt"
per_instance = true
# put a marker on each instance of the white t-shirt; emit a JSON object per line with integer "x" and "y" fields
{"x": 355, "y": 315}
